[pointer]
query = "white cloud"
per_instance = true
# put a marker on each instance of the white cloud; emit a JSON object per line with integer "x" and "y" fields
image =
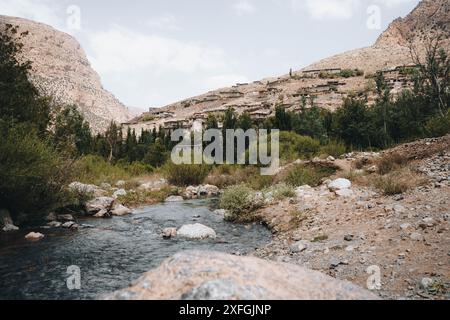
{"x": 393, "y": 3}
{"x": 163, "y": 22}
{"x": 243, "y": 8}
{"x": 45, "y": 11}
{"x": 120, "y": 49}
{"x": 329, "y": 9}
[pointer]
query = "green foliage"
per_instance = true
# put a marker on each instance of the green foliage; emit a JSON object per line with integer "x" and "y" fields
{"x": 311, "y": 175}
{"x": 334, "y": 148}
{"x": 95, "y": 170}
{"x": 239, "y": 202}
{"x": 438, "y": 126}
{"x": 72, "y": 133}
{"x": 280, "y": 191}
{"x": 186, "y": 174}
{"x": 32, "y": 175}
{"x": 19, "y": 98}
{"x": 294, "y": 146}
{"x": 157, "y": 154}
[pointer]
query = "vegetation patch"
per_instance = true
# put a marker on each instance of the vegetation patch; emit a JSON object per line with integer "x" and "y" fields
{"x": 240, "y": 202}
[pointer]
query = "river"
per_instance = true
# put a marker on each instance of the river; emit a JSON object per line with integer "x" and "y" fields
{"x": 112, "y": 253}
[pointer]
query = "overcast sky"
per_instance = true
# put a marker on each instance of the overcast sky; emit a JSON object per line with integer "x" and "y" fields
{"x": 153, "y": 52}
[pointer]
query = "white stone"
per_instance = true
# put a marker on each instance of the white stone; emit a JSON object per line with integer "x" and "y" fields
{"x": 174, "y": 199}
{"x": 344, "y": 193}
{"x": 54, "y": 224}
{"x": 120, "y": 210}
{"x": 169, "y": 233}
{"x": 86, "y": 189}
{"x": 339, "y": 184}
{"x": 34, "y": 236}
{"x": 10, "y": 228}
{"x": 196, "y": 231}
{"x": 426, "y": 283}
{"x": 120, "y": 183}
{"x": 119, "y": 193}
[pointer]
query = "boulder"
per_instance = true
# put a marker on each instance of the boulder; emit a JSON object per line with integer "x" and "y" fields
{"x": 69, "y": 225}
{"x": 196, "y": 231}
{"x": 51, "y": 217}
{"x": 54, "y": 224}
{"x": 65, "y": 217}
{"x": 120, "y": 183}
{"x": 99, "y": 204}
{"x": 86, "y": 189}
{"x": 105, "y": 186}
{"x": 339, "y": 184}
{"x": 203, "y": 275}
{"x": 10, "y": 228}
{"x": 174, "y": 199}
{"x": 119, "y": 193}
{"x": 103, "y": 214}
{"x": 153, "y": 185}
{"x": 34, "y": 236}
{"x": 6, "y": 222}
{"x": 169, "y": 233}
{"x": 120, "y": 210}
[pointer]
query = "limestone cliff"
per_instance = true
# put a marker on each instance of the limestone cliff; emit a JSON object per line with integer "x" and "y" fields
{"x": 61, "y": 69}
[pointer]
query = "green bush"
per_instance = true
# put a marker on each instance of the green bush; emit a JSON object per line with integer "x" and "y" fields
{"x": 186, "y": 174}
{"x": 280, "y": 191}
{"x": 239, "y": 201}
{"x": 334, "y": 148}
{"x": 95, "y": 170}
{"x": 138, "y": 168}
{"x": 438, "y": 126}
{"x": 294, "y": 146}
{"x": 311, "y": 175}
{"x": 32, "y": 175}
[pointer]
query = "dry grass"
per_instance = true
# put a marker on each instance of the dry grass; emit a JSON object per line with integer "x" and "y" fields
{"x": 399, "y": 181}
{"x": 391, "y": 162}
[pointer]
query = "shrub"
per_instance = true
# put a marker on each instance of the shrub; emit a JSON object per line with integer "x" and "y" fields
{"x": 334, "y": 148}
{"x": 398, "y": 182}
{"x": 228, "y": 175}
{"x": 390, "y": 162}
{"x": 186, "y": 174}
{"x": 95, "y": 170}
{"x": 294, "y": 146}
{"x": 239, "y": 201}
{"x": 280, "y": 191}
{"x": 438, "y": 126}
{"x": 311, "y": 175}
{"x": 32, "y": 175}
{"x": 138, "y": 168}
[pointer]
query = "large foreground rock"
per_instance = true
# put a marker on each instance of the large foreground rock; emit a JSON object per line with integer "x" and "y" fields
{"x": 216, "y": 276}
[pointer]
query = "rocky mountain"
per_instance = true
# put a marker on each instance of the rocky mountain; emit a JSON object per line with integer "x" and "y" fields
{"x": 61, "y": 69}
{"x": 325, "y": 83}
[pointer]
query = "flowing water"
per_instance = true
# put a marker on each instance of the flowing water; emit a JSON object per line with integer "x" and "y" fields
{"x": 112, "y": 253}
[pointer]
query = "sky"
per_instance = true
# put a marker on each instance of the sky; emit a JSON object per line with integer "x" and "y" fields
{"x": 150, "y": 53}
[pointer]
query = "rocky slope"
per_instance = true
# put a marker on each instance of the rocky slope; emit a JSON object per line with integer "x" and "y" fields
{"x": 321, "y": 81}
{"x": 348, "y": 235}
{"x": 61, "y": 69}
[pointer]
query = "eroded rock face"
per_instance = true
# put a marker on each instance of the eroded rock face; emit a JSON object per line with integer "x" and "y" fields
{"x": 209, "y": 275}
{"x": 61, "y": 69}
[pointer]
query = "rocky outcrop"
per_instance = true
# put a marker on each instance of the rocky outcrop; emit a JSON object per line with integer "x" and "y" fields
{"x": 196, "y": 275}
{"x": 62, "y": 70}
